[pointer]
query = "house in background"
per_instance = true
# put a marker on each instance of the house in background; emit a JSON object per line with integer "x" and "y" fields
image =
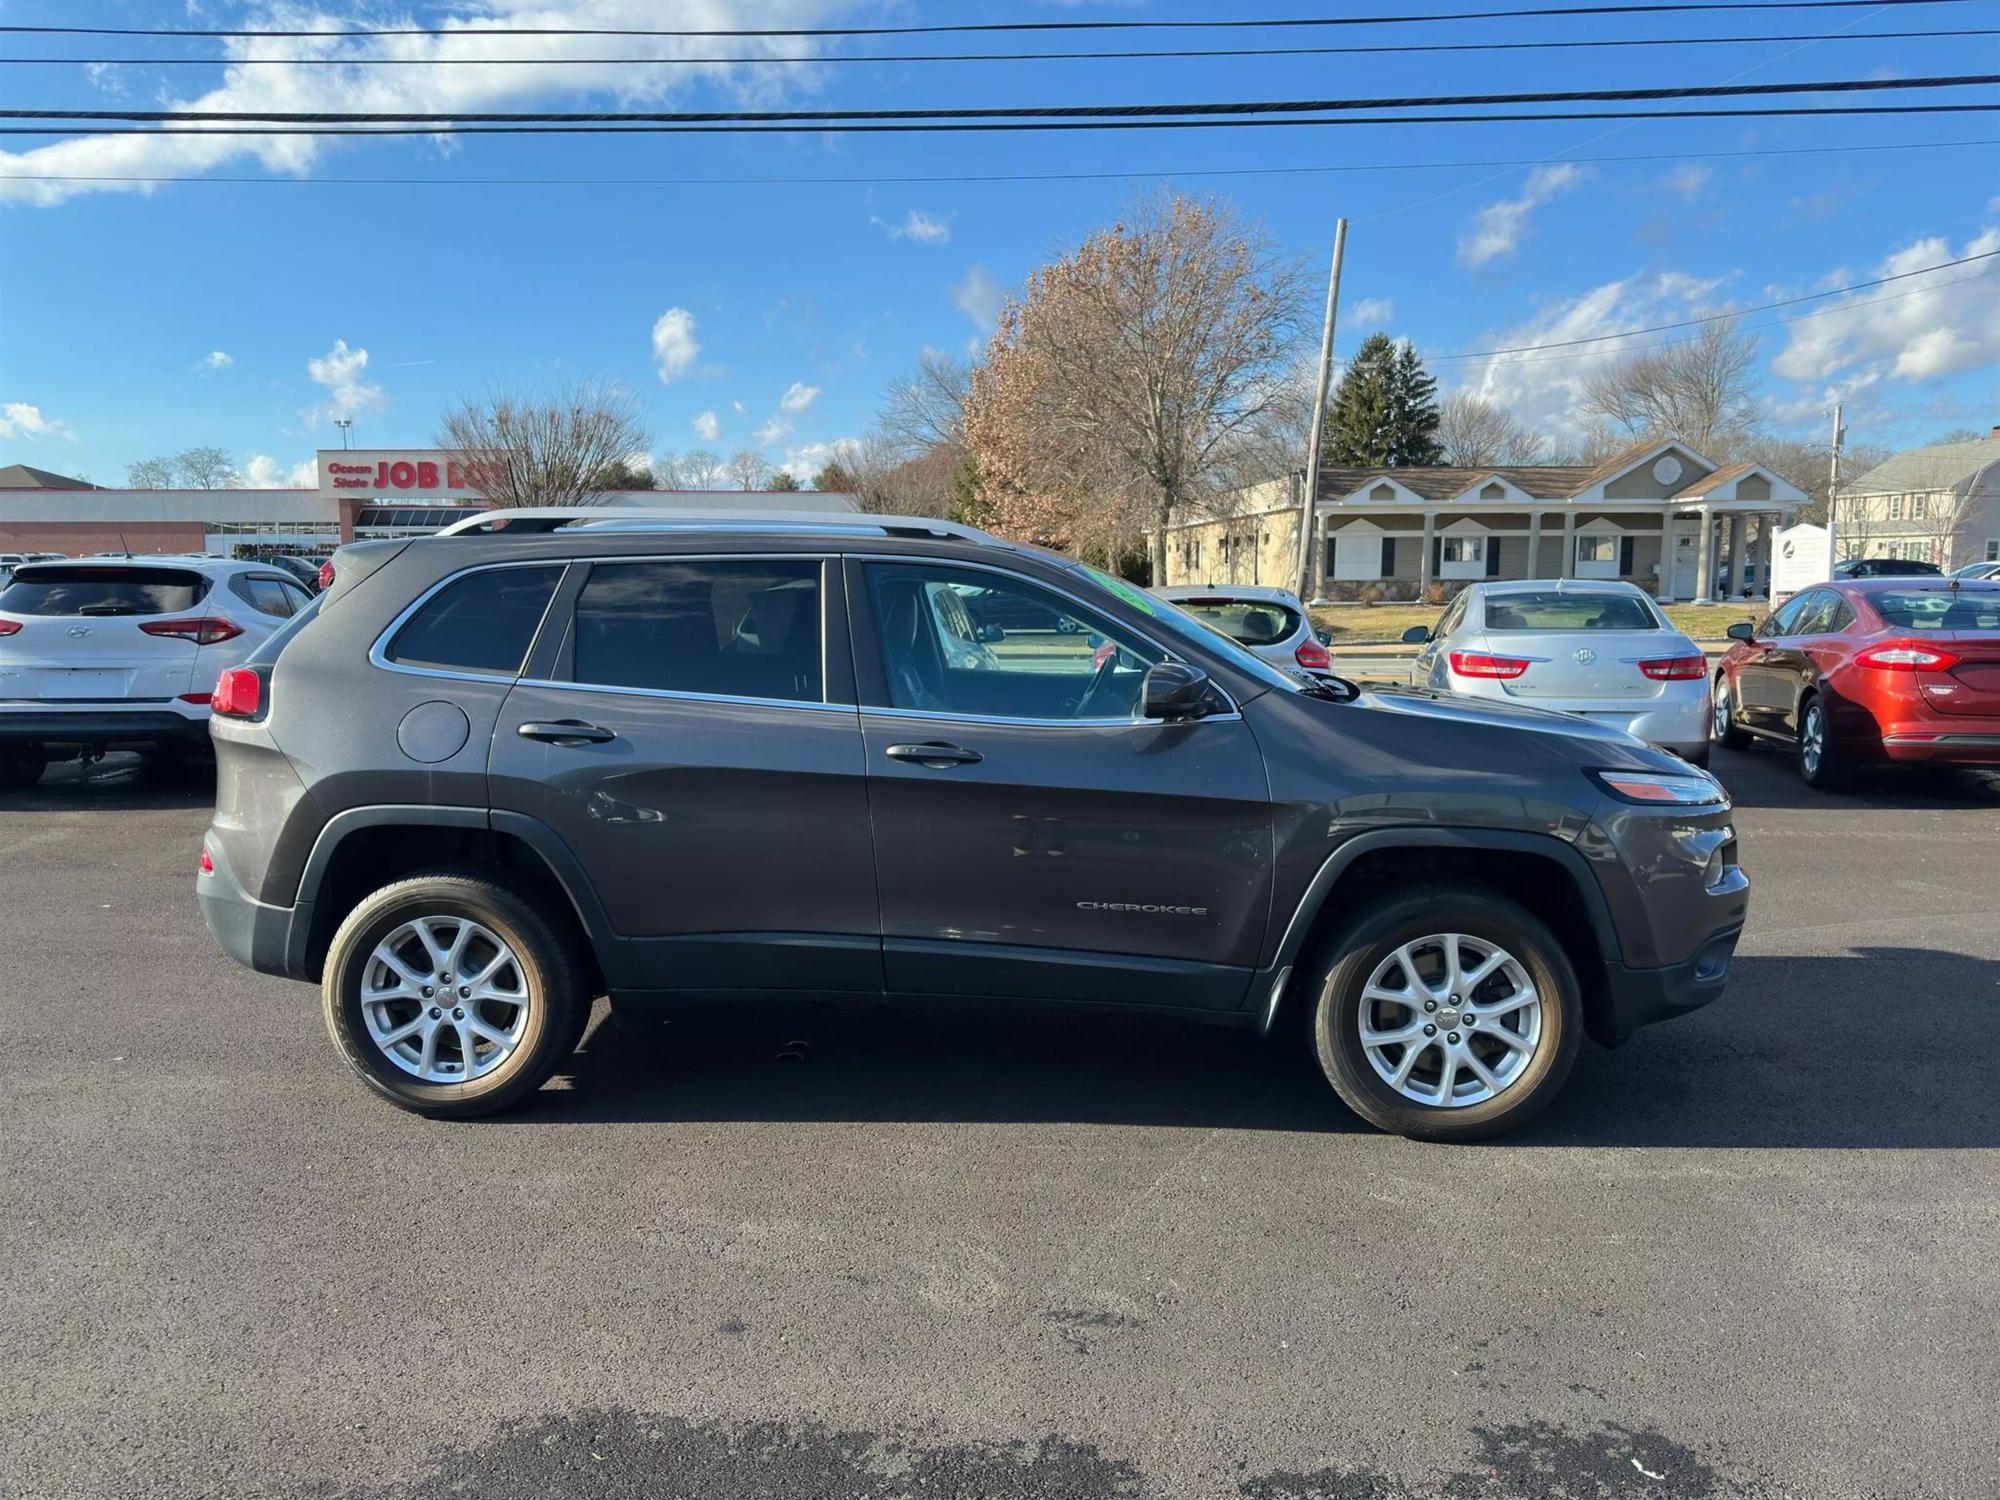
{"x": 1659, "y": 515}
{"x": 1939, "y": 504}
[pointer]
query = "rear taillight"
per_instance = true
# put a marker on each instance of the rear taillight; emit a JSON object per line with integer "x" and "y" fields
{"x": 1908, "y": 656}
{"x": 326, "y": 574}
{"x": 239, "y": 693}
{"x": 1676, "y": 668}
{"x": 9, "y": 627}
{"x": 205, "y": 864}
{"x": 1479, "y": 664}
{"x": 205, "y": 630}
{"x": 1313, "y": 654}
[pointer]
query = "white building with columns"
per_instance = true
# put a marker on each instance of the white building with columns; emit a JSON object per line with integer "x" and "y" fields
{"x": 1660, "y": 515}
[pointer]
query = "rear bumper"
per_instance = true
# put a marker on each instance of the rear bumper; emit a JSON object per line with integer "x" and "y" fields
{"x": 1945, "y": 747}
{"x": 1680, "y": 725}
{"x": 104, "y": 726}
{"x": 1641, "y": 997}
{"x": 255, "y": 935}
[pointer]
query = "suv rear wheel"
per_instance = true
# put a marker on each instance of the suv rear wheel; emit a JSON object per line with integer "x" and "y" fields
{"x": 451, "y": 996}
{"x": 1447, "y": 1013}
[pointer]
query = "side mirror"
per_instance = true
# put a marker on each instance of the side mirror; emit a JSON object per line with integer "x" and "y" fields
{"x": 1174, "y": 690}
{"x": 1324, "y": 637}
{"x": 1742, "y": 631}
{"x": 1417, "y": 635}
{"x": 988, "y": 634}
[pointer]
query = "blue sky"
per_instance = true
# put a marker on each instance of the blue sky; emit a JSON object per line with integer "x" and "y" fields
{"x": 770, "y": 311}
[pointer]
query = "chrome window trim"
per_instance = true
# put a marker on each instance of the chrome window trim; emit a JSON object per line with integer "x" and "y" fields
{"x": 378, "y": 653}
{"x": 1136, "y": 721}
{"x": 817, "y": 705}
{"x": 1166, "y": 653}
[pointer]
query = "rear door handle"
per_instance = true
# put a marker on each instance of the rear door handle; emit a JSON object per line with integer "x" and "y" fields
{"x": 567, "y": 732}
{"x": 936, "y": 756}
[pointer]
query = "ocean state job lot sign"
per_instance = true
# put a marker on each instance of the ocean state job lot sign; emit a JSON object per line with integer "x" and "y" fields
{"x": 397, "y": 473}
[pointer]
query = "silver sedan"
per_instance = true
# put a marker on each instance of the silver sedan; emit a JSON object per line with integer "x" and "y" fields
{"x": 1270, "y": 621}
{"x": 1602, "y": 651}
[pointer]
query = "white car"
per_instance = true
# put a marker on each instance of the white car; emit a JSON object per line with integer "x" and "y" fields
{"x": 125, "y": 650}
{"x": 1602, "y": 651}
{"x": 1271, "y": 622}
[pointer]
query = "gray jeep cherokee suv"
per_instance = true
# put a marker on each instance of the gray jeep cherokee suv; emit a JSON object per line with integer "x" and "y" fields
{"x": 487, "y": 777}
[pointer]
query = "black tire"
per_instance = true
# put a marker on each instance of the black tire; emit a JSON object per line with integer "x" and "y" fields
{"x": 22, "y": 765}
{"x": 558, "y": 1005}
{"x": 1820, "y": 765}
{"x": 1402, "y": 916}
{"x": 1723, "y": 729}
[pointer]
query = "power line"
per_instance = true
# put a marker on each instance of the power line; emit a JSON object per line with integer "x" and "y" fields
{"x": 989, "y": 177}
{"x": 1266, "y": 23}
{"x": 1006, "y": 126}
{"x": 1741, "y": 312}
{"x": 1251, "y": 107}
{"x": 1107, "y": 55}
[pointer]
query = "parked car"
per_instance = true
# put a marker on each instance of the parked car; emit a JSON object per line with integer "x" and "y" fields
{"x": 1012, "y": 613}
{"x": 1885, "y": 567}
{"x": 304, "y": 570}
{"x": 1973, "y": 572}
{"x": 125, "y": 651}
{"x": 484, "y": 778}
{"x": 1868, "y": 672}
{"x": 1268, "y": 621}
{"x": 1600, "y": 651}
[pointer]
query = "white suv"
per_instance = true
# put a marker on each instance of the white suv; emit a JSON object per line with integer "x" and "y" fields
{"x": 125, "y": 650}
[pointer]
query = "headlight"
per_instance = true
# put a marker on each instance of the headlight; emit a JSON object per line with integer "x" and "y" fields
{"x": 1662, "y": 789}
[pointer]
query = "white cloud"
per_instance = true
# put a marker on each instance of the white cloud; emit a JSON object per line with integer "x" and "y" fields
{"x": 215, "y": 359}
{"x": 1497, "y": 228}
{"x": 657, "y": 71}
{"x": 1688, "y": 179}
{"x": 804, "y": 463}
{"x": 263, "y": 472}
{"x": 922, "y": 228}
{"x": 708, "y": 427}
{"x": 1372, "y": 310}
{"x": 1918, "y": 330}
{"x": 340, "y": 370}
{"x": 798, "y": 396}
{"x": 980, "y": 297}
{"x": 771, "y": 432}
{"x": 739, "y": 408}
{"x": 675, "y": 347}
{"x": 18, "y": 419}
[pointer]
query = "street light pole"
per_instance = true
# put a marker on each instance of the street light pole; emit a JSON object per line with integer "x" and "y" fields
{"x": 343, "y": 423}
{"x": 1833, "y": 493}
{"x": 1309, "y": 501}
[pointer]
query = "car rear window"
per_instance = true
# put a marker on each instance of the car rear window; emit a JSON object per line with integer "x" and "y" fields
{"x": 1569, "y": 611}
{"x": 40, "y": 589}
{"x": 482, "y": 622}
{"x": 1253, "y": 622}
{"x": 1939, "y": 609}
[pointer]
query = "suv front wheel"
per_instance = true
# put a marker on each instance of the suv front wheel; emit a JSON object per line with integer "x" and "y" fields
{"x": 1447, "y": 1013}
{"x": 451, "y": 996}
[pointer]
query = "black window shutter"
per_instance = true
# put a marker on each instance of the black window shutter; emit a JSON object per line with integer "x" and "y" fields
{"x": 1493, "y": 557}
{"x": 1437, "y": 555}
{"x": 1625, "y": 557}
{"x": 1388, "y": 557}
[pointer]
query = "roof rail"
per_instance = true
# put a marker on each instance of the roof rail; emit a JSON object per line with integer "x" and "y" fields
{"x": 541, "y": 520}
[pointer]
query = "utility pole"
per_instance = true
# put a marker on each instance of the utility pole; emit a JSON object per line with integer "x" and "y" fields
{"x": 1309, "y": 501}
{"x": 1833, "y": 493}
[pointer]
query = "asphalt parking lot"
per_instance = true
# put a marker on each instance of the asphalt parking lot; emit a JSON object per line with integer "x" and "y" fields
{"x": 903, "y": 1253}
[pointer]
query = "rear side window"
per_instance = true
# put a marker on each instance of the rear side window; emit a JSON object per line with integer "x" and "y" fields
{"x": 1568, "y": 611}
{"x": 735, "y": 629}
{"x": 483, "y": 622}
{"x": 1253, "y": 622}
{"x": 1939, "y": 609}
{"x": 268, "y": 596}
{"x": 50, "y": 590}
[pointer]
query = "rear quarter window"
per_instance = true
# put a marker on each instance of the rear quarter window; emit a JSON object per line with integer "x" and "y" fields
{"x": 482, "y": 622}
{"x": 48, "y": 590}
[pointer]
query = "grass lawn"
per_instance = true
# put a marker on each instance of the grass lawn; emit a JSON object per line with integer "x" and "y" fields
{"x": 1372, "y": 624}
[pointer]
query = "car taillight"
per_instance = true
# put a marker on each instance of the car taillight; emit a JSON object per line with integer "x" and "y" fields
{"x": 205, "y": 630}
{"x": 9, "y": 627}
{"x": 206, "y": 864}
{"x": 239, "y": 693}
{"x": 1479, "y": 664}
{"x": 1675, "y": 668}
{"x": 1908, "y": 656}
{"x": 326, "y": 574}
{"x": 1313, "y": 654}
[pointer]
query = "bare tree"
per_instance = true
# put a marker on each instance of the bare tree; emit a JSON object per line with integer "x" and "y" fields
{"x": 1474, "y": 432}
{"x": 565, "y": 447}
{"x": 1116, "y": 385}
{"x": 1702, "y": 390}
{"x": 748, "y": 469}
{"x": 925, "y": 408}
{"x": 700, "y": 469}
{"x": 205, "y": 469}
{"x": 150, "y": 474}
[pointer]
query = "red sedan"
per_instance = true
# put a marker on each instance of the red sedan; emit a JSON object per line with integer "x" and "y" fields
{"x": 1868, "y": 671}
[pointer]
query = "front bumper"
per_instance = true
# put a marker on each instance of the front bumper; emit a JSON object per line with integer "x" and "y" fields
{"x": 1641, "y": 997}
{"x": 257, "y": 936}
{"x": 103, "y": 726}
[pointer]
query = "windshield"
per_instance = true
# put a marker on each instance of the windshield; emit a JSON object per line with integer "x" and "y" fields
{"x": 1568, "y": 610}
{"x": 1205, "y": 637}
{"x": 1939, "y": 609}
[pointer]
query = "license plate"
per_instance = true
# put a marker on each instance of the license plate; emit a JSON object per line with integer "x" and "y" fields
{"x": 71, "y": 683}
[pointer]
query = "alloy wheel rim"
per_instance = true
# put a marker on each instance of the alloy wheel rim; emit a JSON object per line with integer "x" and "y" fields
{"x": 1721, "y": 710}
{"x": 1450, "y": 1020}
{"x": 1812, "y": 744}
{"x": 444, "y": 999}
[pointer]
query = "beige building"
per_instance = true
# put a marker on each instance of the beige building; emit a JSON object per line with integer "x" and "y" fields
{"x": 1937, "y": 505}
{"x": 1660, "y": 515}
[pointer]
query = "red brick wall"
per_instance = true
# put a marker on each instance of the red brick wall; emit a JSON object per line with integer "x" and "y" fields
{"x": 79, "y": 537}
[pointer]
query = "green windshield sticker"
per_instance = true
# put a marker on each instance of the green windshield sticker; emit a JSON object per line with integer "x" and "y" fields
{"x": 1123, "y": 590}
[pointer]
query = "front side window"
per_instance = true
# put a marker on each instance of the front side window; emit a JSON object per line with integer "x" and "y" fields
{"x": 483, "y": 622}
{"x": 937, "y": 657}
{"x": 724, "y": 628}
{"x": 1786, "y": 619}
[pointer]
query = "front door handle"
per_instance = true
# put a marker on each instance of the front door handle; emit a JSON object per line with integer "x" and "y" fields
{"x": 936, "y": 756}
{"x": 567, "y": 732}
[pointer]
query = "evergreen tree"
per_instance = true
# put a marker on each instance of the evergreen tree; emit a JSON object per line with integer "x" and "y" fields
{"x": 1384, "y": 412}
